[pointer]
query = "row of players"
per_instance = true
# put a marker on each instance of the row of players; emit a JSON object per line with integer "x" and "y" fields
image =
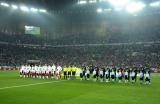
{"x": 46, "y": 71}
{"x": 104, "y": 73}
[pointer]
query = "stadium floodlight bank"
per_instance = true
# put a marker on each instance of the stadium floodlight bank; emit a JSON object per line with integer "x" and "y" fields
{"x": 22, "y": 7}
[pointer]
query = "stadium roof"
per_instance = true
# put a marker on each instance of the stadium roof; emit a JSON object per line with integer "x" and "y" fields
{"x": 52, "y": 4}
{"x": 130, "y": 6}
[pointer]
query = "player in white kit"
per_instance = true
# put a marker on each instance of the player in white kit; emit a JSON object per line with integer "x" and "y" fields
{"x": 87, "y": 75}
{"x": 22, "y": 71}
{"x": 44, "y": 68}
{"x": 33, "y": 71}
{"x": 49, "y": 68}
{"x": 94, "y": 75}
{"x": 147, "y": 77}
{"x": 101, "y": 75}
{"x": 47, "y": 71}
{"x": 39, "y": 72}
{"x": 58, "y": 72}
{"x": 119, "y": 76}
{"x": 53, "y": 71}
{"x": 28, "y": 69}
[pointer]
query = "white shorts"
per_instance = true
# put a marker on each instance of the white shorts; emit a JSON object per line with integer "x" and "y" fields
{"x": 57, "y": 72}
{"x": 86, "y": 74}
{"x": 43, "y": 72}
{"x": 47, "y": 72}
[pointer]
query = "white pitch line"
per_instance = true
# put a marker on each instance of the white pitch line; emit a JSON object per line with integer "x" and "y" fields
{"x": 28, "y": 85}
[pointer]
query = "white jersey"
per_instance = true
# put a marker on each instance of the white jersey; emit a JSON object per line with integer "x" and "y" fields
{"x": 107, "y": 72}
{"x": 22, "y": 68}
{"x": 101, "y": 72}
{"x": 49, "y": 68}
{"x": 126, "y": 73}
{"x": 59, "y": 69}
{"x": 141, "y": 74}
{"x": 33, "y": 69}
{"x": 147, "y": 75}
{"x": 44, "y": 69}
{"x": 112, "y": 73}
{"x": 88, "y": 72}
{"x": 39, "y": 69}
{"x": 36, "y": 69}
{"x": 28, "y": 69}
{"x": 94, "y": 72}
{"x": 120, "y": 74}
{"x": 53, "y": 68}
{"x": 133, "y": 74}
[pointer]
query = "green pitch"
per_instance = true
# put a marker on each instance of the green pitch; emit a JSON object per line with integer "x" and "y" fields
{"x": 14, "y": 90}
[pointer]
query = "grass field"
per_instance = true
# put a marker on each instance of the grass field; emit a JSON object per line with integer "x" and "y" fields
{"x": 14, "y": 90}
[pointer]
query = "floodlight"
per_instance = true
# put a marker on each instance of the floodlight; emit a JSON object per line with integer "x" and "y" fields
{"x": 42, "y": 10}
{"x": 135, "y": 15}
{"x": 155, "y": 4}
{"x": 117, "y": 9}
{"x": 135, "y": 7}
{"x": 24, "y": 8}
{"x": 5, "y": 4}
{"x": 92, "y": 1}
{"x": 34, "y": 10}
{"x": 99, "y": 10}
{"x": 108, "y": 10}
{"x": 82, "y": 2}
{"x": 103, "y": 0}
{"x": 14, "y": 6}
{"x": 119, "y": 3}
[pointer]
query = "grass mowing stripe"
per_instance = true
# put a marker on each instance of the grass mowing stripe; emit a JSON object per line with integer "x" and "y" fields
{"x": 29, "y": 85}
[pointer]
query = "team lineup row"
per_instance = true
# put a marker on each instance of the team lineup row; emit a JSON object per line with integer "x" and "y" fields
{"x": 106, "y": 74}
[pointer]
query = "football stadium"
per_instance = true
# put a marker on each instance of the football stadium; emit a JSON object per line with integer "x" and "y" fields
{"x": 79, "y": 51}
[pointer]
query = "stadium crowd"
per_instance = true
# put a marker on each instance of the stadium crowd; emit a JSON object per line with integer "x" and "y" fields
{"x": 117, "y": 54}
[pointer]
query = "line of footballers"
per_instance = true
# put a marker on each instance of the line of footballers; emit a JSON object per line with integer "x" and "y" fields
{"x": 39, "y": 71}
{"x": 102, "y": 73}
{"x": 107, "y": 74}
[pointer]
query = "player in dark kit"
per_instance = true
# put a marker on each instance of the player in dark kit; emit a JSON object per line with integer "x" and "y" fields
{"x": 148, "y": 75}
{"x": 112, "y": 74}
{"x": 135, "y": 70}
{"x": 87, "y": 74}
{"x": 97, "y": 72}
{"x": 91, "y": 69}
{"x": 84, "y": 69}
{"x": 107, "y": 74}
{"x": 141, "y": 74}
{"x": 126, "y": 74}
{"x": 81, "y": 74}
{"x": 104, "y": 70}
{"x": 147, "y": 79}
{"x": 120, "y": 75}
{"x": 133, "y": 75}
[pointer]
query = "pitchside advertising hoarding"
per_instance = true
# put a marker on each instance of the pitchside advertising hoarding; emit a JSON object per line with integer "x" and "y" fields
{"x": 32, "y": 30}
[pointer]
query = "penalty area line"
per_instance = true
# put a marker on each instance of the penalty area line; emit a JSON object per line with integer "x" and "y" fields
{"x": 29, "y": 85}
